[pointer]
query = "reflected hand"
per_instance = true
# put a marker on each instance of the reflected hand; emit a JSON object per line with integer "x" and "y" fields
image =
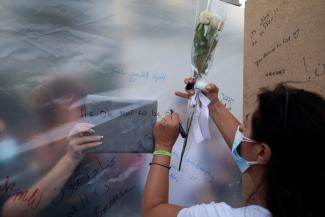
{"x": 166, "y": 132}
{"x": 80, "y": 138}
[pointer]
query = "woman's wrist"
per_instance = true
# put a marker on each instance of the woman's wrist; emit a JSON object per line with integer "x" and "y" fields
{"x": 70, "y": 161}
{"x": 161, "y": 159}
{"x": 215, "y": 105}
{"x": 162, "y": 154}
{"x": 163, "y": 148}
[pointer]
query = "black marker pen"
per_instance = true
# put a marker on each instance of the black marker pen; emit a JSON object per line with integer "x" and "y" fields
{"x": 181, "y": 129}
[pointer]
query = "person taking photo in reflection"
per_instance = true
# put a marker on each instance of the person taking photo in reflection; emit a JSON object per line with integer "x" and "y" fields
{"x": 63, "y": 140}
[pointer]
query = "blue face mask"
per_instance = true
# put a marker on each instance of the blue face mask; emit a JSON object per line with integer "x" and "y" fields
{"x": 241, "y": 162}
{"x": 8, "y": 147}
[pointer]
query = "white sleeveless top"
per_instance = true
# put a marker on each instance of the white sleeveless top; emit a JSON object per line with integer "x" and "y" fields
{"x": 223, "y": 210}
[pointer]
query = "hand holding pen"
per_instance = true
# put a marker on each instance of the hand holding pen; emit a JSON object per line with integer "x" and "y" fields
{"x": 181, "y": 129}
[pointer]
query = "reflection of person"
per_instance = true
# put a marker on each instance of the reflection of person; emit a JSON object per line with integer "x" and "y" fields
{"x": 37, "y": 197}
{"x": 287, "y": 126}
{"x": 57, "y": 103}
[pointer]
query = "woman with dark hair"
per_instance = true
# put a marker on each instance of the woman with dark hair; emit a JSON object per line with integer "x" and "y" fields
{"x": 277, "y": 145}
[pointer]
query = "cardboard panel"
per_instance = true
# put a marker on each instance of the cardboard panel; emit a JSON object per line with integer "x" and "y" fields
{"x": 283, "y": 42}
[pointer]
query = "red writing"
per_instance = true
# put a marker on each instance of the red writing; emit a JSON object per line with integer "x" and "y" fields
{"x": 32, "y": 199}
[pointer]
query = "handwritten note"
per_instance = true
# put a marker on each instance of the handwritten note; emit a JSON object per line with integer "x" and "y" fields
{"x": 192, "y": 170}
{"x": 144, "y": 75}
{"x": 265, "y": 22}
{"x": 31, "y": 198}
{"x": 226, "y": 100}
{"x": 278, "y": 45}
{"x": 91, "y": 193}
{"x": 284, "y": 42}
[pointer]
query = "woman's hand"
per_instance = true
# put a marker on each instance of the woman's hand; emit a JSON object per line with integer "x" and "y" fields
{"x": 166, "y": 132}
{"x": 80, "y": 138}
{"x": 211, "y": 91}
{"x": 188, "y": 93}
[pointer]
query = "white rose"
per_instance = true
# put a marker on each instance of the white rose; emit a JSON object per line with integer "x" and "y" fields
{"x": 217, "y": 22}
{"x": 206, "y": 17}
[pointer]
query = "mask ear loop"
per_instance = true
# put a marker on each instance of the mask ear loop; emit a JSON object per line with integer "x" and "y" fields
{"x": 245, "y": 139}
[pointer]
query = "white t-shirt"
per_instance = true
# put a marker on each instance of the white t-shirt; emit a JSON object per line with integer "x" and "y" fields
{"x": 223, "y": 210}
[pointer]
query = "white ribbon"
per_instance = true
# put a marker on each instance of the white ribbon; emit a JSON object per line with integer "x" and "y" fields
{"x": 201, "y": 120}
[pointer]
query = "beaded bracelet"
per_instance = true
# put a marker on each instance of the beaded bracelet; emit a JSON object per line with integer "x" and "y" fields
{"x": 152, "y": 163}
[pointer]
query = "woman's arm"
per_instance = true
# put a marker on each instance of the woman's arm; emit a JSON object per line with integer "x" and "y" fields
{"x": 50, "y": 185}
{"x": 225, "y": 121}
{"x": 155, "y": 199}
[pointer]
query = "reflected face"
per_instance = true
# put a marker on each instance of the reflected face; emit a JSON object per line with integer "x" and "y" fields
{"x": 67, "y": 113}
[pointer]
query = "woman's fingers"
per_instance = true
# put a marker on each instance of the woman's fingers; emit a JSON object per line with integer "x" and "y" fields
{"x": 81, "y": 128}
{"x": 76, "y": 151}
{"x": 210, "y": 88}
{"x": 87, "y": 132}
{"x": 86, "y": 139}
{"x": 189, "y": 80}
{"x": 80, "y": 138}
{"x": 188, "y": 93}
{"x": 182, "y": 94}
{"x": 166, "y": 131}
{"x": 175, "y": 118}
{"x": 88, "y": 145}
